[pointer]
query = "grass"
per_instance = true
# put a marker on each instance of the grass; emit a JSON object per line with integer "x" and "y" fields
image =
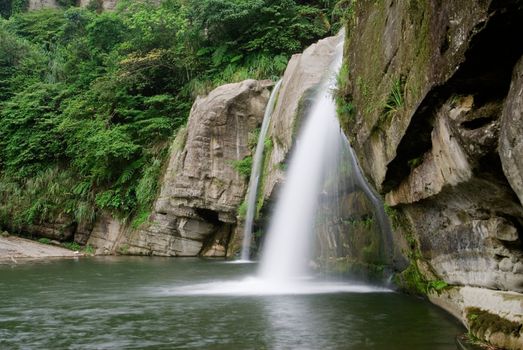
{"x": 140, "y": 219}
{"x": 72, "y": 246}
{"x": 244, "y": 166}
{"x": 87, "y": 249}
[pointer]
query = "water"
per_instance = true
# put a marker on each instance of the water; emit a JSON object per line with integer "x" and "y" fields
{"x": 144, "y": 303}
{"x": 255, "y": 174}
{"x": 322, "y": 203}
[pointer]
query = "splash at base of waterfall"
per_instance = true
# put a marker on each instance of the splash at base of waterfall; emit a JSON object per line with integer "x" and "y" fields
{"x": 253, "y": 286}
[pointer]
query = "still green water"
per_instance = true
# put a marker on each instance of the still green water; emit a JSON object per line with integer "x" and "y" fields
{"x": 136, "y": 303}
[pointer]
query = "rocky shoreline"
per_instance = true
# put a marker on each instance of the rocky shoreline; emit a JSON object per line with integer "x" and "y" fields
{"x": 13, "y": 249}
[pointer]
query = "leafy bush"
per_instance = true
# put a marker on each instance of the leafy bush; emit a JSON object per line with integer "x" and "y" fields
{"x": 44, "y": 240}
{"x": 66, "y": 3}
{"x": 243, "y": 166}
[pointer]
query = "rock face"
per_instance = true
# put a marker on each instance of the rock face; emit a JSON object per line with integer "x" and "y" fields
{"x": 302, "y": 75}
{"x": 196, "y": 210}
{"x": 433, "y": 97}
{"x": 41, "y": 4}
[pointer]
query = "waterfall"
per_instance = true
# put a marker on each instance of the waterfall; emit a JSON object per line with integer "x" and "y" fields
{"x": 287, "y": 246}
{"x": 322, "y": 169}
{"x": 255, "y": 175}
{"x": 322, "y": 175}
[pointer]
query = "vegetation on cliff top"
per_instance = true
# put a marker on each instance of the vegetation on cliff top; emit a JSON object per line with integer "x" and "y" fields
{"x": 89, "y": 101}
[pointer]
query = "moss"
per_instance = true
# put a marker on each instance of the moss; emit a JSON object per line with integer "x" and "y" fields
{"x": 353, "y": 268}
{"x": 123, "y": 249}
{"x": 413, "y": 163}
{"x": 393, "y": 215}
{"x": 253, "y": 139}
{"x": 411, "y": 280}
{"x": 481, "y": 322}
{"x": 244, "y": 166}
{"x": 141, "y": 218}
{"x": 267, "y": 152}
{"x": 242, "y": 210}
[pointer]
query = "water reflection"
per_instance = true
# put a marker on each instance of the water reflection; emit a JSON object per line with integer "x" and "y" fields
{"x": 123, "y": 303}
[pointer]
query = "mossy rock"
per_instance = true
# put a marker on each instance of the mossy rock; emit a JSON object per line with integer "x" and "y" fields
{"x": 483, "y": 323}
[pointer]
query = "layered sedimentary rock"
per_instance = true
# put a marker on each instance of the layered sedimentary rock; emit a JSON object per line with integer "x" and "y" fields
{"x": 196, "y": 210}
{"x": 302, "y": 75}
{"x": 435, "y": 92}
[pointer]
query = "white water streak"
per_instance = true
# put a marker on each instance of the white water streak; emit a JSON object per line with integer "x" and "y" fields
{"x": 286, "y": 252}
{"x": 255, "y": 175}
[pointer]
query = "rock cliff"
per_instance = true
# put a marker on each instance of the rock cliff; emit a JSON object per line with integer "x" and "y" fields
{"x": 431, "y": 97}
{"x": 195, "y": 213}
{"x": 302, "y": 75}
{"x": 41, "y": 4}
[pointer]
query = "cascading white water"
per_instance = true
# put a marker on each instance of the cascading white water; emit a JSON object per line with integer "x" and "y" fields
{"x": 255, "y": 175}
{"x": 322, "y": 169}
{"x": 287, "y": 247}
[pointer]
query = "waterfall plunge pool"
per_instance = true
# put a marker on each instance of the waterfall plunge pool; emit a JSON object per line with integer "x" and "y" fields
{"x": 162, "y": 303}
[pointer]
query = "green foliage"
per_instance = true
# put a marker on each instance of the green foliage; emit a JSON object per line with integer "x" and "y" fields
{"x": 123, "y": 249}
{"x": 140, "y": 219}
{"x": 253, "y": 138}
{"x": 66, "y": 3}
{"x": 29, "y": 137}
{"x": 89, "y": 101}
{"x": 482, "y": 322}
{"x": 88, "y": 249}
{"x": 72, "y": 246}
{"x": 20, "y": 64}
{"x": 12, "y": 7}
{"x": 244, "y": 166}
{"x": 437, "y": 285}
{"x": 44, "y": 240}
{"x": 40, "y": 27}
{"x": 395, "y": 100}
{"x": 411, "y": 280}
{"x": 95, "y": 5}
{"x": 242, "y": 210}
{"x": 413, "y": 163}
